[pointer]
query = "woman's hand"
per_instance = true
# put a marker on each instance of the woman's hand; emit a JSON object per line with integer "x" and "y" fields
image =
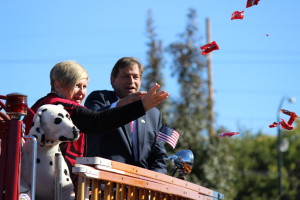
{"x": 131, "y": 98}
{"x": 153, "y": 98}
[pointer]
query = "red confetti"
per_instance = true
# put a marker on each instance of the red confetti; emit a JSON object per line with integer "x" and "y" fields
{"x": 285, "y": 125}
{"x": 237, "y": 15}
{"x": 251, "y": 3}
{"x": 291, "y": 120}
{"x": 228, "y": 134}
{"x": 273, "y": 125}
{"x": 209, "y": 48}
{"x": 287, "y": 112}
{"x": 292, "y": 115}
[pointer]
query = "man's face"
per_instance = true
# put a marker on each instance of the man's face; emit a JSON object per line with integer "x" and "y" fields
{"x": 128, "y": 81}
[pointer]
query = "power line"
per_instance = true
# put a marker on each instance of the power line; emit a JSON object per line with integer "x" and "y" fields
{"x": 245, "y": 62}
{"x": 256, "y": 91}
{"x": 260, "y": 51}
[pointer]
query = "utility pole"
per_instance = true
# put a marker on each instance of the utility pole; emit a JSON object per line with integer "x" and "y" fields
{"x": 211, "y": 116}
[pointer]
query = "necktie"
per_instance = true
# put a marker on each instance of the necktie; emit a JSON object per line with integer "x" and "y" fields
{"x": 131, "y": 127}
{"x": 134, "y": 140}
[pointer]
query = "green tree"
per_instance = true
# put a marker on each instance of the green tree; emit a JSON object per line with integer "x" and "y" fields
{"x": 154, "y": 56}
{"x": 188, "y": 111}
{"x": 242, "y": 167}
{"x": 153, "y": 67}
{"x": 291, "y": 163}
{"x": 256, "y": 166}
{"x": 219, "y": 168}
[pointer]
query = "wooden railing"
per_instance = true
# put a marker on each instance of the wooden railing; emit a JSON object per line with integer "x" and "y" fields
{"x": 100, "y": 178}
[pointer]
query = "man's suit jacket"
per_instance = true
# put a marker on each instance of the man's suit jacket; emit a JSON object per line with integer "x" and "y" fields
{"x": 117, "y": 144}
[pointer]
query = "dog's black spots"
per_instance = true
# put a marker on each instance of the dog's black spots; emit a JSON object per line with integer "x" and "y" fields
{"x": 37, "y": 129}
{"x": 67, "y": 179}
{"x": 57, "y": 120}
{"x": 63, "y": 138}
{"x": 43, "y": 138}
{"x": 44, "y": 110}
{"x": 67, "y": 116}
{"x": 66, "y": 172}
{"x": 38, "y": 160}
{"x": 52, "y": 142}
{"x": 35, "y": 136}
{"x": 60, "y": 114}
{"x": 51, "y": 163}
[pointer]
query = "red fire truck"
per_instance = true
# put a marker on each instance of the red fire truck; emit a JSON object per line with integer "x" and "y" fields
{"x": 99, "y": 178}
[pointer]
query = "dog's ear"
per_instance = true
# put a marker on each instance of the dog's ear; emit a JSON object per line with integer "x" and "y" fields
{"x": 60, "y": 105}
{"x": 36, "y": 129}
{"x": 37, "y": 115}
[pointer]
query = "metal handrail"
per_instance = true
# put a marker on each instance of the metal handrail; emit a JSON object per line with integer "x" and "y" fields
{"x": 34, "y": 155}
{"x": 58, "y": 176}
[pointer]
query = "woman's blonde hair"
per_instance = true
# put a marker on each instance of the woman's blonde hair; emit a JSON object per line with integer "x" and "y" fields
{"x": 67, "y": 73}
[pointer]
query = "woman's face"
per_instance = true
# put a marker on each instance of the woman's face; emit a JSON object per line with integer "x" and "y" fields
{"x": 78, "y": 94}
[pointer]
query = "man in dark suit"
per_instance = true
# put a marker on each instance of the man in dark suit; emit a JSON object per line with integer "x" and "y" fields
{"x": 134, "y": 143}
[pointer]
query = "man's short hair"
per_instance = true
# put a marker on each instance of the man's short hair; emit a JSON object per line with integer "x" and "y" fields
{"x": 125, "y": 62}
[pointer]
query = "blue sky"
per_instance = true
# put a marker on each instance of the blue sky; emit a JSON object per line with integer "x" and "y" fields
{"x": 251, "y": 71}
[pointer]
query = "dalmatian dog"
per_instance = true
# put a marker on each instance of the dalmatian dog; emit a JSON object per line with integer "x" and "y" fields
{"x": 51, "y": 126}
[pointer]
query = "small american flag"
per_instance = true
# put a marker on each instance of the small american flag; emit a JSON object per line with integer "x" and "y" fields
{"x": 168, "y": 135}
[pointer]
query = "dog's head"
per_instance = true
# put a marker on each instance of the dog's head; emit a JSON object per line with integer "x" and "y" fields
{"x": 52, "y": 125}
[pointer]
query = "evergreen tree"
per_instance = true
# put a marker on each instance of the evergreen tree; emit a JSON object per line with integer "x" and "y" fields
{"x": 153, "y": 67}
{"x": 154, "y": 56}
{"x": 214, "y": 167}
{"x": 219, "y": 168}
{"x": 189, "y": 111}
{"x": 243, "y": 167}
